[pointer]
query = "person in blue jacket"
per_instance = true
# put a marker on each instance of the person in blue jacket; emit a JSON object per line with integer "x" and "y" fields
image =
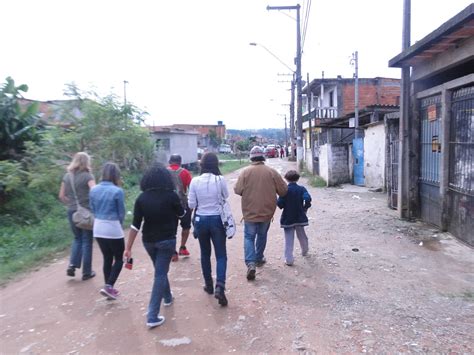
{"x": 293, "y": 218}
{"x": 107, "y": 202}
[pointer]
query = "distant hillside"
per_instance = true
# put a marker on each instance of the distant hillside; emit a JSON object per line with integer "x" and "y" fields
{"x": 269, "y": 133}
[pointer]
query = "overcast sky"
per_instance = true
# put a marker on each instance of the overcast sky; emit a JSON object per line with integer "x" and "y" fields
{"x": 190, "y": 61}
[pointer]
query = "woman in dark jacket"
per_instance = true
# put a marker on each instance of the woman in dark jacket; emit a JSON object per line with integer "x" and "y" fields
{"x": 159, "y": 208}
{"x": 293, "y": 218}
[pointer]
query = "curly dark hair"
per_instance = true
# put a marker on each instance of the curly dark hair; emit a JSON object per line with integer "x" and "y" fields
{"x": 157, "y": 177}
{"x": 210, "y": 164}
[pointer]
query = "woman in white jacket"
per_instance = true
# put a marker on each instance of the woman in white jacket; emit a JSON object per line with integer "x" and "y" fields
{"x": 206, "y": 193}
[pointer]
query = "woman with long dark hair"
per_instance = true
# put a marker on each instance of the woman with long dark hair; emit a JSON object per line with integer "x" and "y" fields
{"x": 107, "y": 202}
{"x": 205, "y": 195}
{"x": 74, "y": 191}
{"x": 159, "y": 208}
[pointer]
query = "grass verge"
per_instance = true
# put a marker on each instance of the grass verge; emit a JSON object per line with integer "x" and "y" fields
{"x": 24, "y": 247}
{"x": 230, "y": 166}
{"x": 314, "y": 180}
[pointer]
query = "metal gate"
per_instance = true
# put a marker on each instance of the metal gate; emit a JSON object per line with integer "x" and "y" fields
{"x": 461, "y": 165}
{"x": 358, "y": 155}
{"x": 430, "y": 113}
{"x": 393, "y": 173}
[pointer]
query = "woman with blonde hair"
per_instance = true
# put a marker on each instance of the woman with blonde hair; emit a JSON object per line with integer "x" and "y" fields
{"x": 75, "y": 188}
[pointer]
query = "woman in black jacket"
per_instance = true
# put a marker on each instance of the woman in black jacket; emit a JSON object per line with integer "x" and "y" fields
{"x": 159, "y": 207}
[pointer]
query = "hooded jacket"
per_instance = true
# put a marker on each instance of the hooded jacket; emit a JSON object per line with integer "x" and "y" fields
{"x": 294, "y": 205}
{"x": 259, "y": 186}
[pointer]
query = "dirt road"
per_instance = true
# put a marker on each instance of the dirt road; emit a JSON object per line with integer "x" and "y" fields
{"x": 372, "y": 283}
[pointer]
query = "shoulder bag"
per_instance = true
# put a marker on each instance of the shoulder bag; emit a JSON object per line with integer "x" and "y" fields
{"x": 82, "y": 218}
{"x": 226, "y": 213}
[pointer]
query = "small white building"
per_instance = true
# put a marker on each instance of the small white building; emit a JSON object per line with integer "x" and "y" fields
{"x": 175, "y": 141}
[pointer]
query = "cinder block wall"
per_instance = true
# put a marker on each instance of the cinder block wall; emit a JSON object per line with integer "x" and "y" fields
{"x": 338, "y": 162}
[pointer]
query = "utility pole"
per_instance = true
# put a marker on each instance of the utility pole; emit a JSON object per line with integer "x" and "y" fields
{"x": 292, "y": 120}
{"x": 299, "y": 103}
{"x": 125, "y": 82}
{"x": 309, "y": 97}
{"x": 405, "y": 129}
{"x": 355, "y": 61}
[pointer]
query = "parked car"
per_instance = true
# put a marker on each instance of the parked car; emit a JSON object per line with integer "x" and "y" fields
{"x": 271, "y": 151}
{"x": 225, "y": 148}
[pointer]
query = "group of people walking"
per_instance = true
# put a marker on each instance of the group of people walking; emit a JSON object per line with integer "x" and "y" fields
{"x": 169, "y": 195}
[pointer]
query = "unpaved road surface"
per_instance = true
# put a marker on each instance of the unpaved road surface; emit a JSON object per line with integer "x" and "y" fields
{"x": 372, "y": 283}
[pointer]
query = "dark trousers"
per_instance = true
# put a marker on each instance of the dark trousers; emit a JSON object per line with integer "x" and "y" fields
{"x": 112, "y": 250}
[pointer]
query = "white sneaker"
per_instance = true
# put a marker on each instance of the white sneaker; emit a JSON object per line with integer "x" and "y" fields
{"x": 287, "y": 263}
{"x": 167, "y": 304}
{"x": 160, "y": 320}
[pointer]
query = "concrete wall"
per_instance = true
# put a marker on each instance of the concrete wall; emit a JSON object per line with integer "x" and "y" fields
{"x": 338, "y": 156}
{"x": 334, "y": 163}
{"x": 324, "y": 162}
{"x": 183, "y": 144}
{"x": 374, "y": 156}
{"x": 309, "y": 160}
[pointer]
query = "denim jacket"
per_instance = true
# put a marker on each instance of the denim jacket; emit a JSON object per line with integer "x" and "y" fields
{"x": 107, "y": 201}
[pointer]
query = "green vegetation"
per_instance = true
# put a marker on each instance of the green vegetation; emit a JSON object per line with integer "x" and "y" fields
{"x": 33, "y": 157}
{"x": 314, "y": 180}
{"x": 230, "y": 166}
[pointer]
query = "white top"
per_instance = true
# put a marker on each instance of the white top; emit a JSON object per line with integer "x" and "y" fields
{"x": 107, "y": 229}
{"x": 204, "y": 193}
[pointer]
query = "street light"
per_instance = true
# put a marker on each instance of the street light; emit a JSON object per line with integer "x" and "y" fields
{"x": 272, "y": 54}
{"x": 299, "y": 108}
{"x": 293, "y": 84}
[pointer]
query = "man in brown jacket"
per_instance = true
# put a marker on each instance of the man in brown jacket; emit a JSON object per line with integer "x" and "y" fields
{"x": 259, "y": 186}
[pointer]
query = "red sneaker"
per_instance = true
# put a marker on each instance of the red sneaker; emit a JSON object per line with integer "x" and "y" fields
{"x": 174, "y": 257}
{"x": 183, "y": 251}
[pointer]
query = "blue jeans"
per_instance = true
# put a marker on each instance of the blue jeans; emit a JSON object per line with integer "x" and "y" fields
{"x": 81, "y": 250}
{"x": 210, "y": 229}
{"x": 255, "y": 241}
{"x": 160, "y": 254}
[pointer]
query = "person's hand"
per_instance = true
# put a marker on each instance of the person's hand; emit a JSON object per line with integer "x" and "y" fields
{"x": 127, "y": 254}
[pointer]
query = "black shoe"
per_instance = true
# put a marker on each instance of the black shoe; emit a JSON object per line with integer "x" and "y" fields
{"x": 260, "y": 263}
{"x": 209, "y": 289}
{"x": 88, "y": 276}
{"x": 220, "y": 295}
{"x": 251, "y": 272}
{"x": 71, "y": 271}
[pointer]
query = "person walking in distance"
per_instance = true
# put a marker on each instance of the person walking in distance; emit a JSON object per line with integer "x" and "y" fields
{"x": 74, "y": 190}
{"x": 293, "y": 219}
{"x": 182, "y": 179}
{"x": 156, "y": 212}
{"x": 282, "y": 153}
{"x": 107, "y": 202}
{"x": 259, "y": 186}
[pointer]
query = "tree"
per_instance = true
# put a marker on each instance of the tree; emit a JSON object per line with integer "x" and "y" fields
{"x": 214, "y": 140}
{"x": 110, "y": 130}
{"x": 17, "y": 125}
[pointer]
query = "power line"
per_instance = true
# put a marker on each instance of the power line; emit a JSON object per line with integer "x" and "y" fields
{"x": 305, "y": 23}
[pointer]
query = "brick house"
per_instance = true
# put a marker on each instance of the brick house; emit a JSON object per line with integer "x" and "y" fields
{"x": 328, "y": 145}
